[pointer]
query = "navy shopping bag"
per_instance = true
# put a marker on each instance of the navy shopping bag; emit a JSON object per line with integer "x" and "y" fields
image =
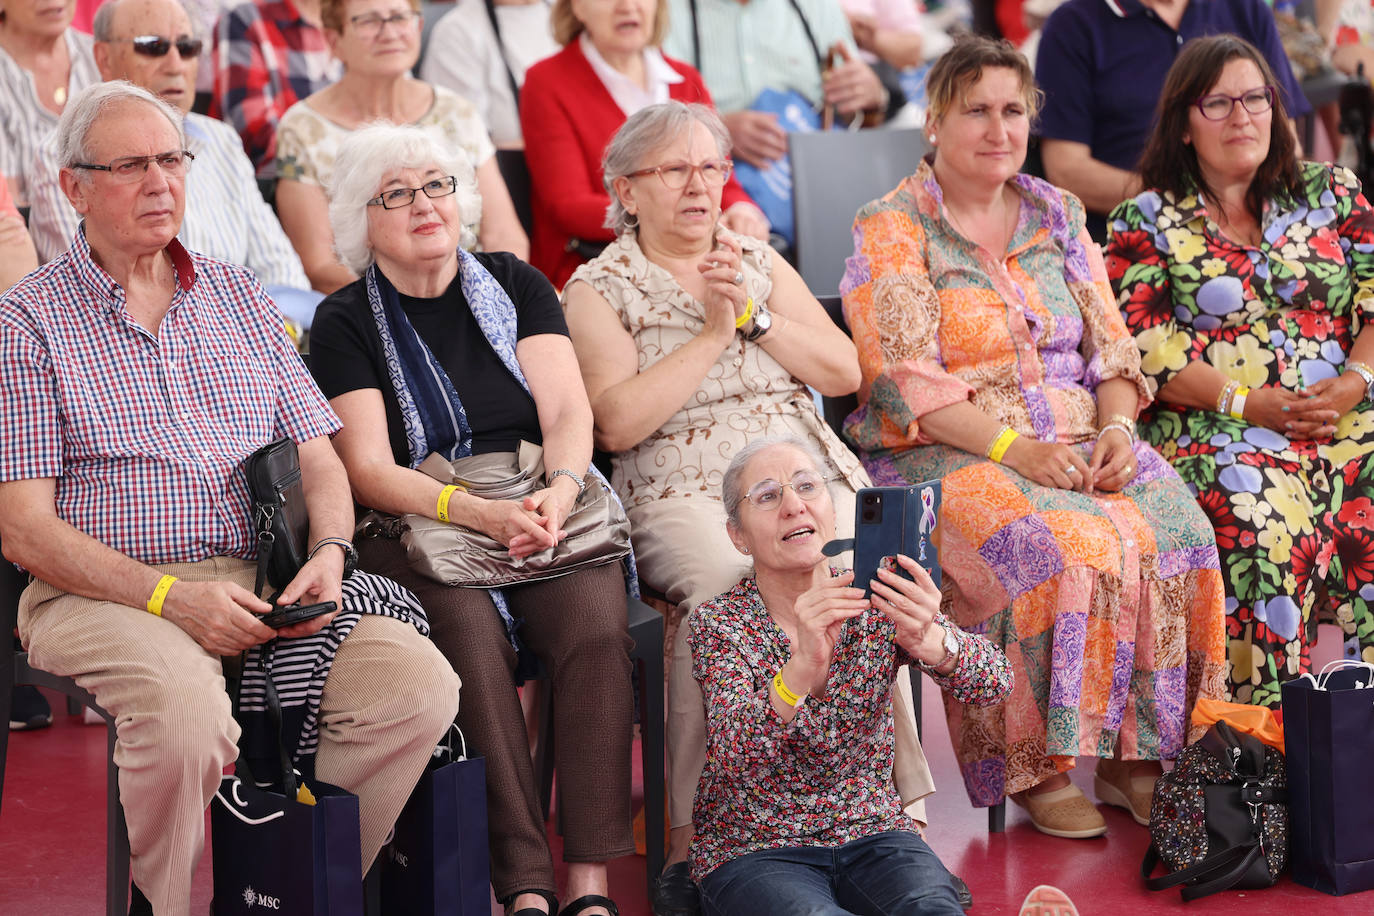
{"x": 1328, "y": 727}
{"x": 275, "y": 854}
{"x": 437, "y": 861}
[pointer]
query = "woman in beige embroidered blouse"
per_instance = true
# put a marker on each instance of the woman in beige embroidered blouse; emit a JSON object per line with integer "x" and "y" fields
{"x": 694, "y": 341}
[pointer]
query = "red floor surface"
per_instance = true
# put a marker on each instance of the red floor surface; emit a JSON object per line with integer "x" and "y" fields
{"x": 52, "y": 849}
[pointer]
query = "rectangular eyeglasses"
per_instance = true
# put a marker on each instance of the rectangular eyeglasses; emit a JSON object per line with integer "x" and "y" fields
{"x": 132, "y": 168}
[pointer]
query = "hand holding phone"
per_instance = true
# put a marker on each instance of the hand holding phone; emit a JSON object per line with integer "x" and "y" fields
{"x": 290, "y": 615}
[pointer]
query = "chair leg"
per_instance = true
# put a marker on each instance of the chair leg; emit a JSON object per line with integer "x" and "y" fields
{"x": 997, "y": 817}
{"x": 116, "y": 838}
{"x": 648, "y": 658}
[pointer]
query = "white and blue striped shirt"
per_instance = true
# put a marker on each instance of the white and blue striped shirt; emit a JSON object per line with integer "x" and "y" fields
{"x": 225, "y": 217}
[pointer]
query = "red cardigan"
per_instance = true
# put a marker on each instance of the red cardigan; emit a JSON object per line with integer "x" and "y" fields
{"x": 568, "y": 118}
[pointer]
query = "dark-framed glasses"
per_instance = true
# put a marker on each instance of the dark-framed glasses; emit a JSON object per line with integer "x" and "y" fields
{"x": 132, "y": 168}
{"x": 369, "y": 25}
{"x": 677, "y": 175}
{"x": 157, "y": 46}
{"x": 403, "y": 197}
{"x": 767, "y": 493}
{"x": 1218, "y": 106}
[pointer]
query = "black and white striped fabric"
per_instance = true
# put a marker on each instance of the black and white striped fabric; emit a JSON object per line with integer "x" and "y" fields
{"x": 299, "y": 667}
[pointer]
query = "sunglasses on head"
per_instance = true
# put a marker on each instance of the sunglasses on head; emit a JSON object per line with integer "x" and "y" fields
{"x": 157, "y": 46}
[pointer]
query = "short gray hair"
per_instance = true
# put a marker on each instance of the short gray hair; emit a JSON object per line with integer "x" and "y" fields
{"x": 85, "y": 108}
{"x": 365, "y": 156}
{"x": 102, "y": 26}
{"x": 647, "y": 130}
{"x": 732, "y": 484}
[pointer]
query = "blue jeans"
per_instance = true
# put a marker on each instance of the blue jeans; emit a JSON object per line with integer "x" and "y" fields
{"x": 882, "y": 875}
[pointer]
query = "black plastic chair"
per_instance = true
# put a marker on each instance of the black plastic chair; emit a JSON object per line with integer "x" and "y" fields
{"x": 516, "y": 174}
{"x": 835, "y": 410}
{"x": 834, "y": 173}
{"x": 15, "y": 671}
{"x": 646, "y": 629}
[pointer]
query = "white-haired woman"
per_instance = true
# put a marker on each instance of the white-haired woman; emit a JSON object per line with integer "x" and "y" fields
{"x": 694, "y": 340}
{"x": 378, "y": 42}
{"x": 436, "y": 349}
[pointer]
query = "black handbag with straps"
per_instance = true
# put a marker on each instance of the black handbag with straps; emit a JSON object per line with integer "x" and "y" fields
{"x": 279, "y": 512}
{"x": 1219, "y": 818}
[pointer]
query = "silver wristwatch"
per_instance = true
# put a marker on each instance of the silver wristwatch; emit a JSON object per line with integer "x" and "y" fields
{"x": 762, "y": 323}
{"x": 951, "y": 645}
{"x": 1365, "y": 374}
{"x": 581, "y": 483}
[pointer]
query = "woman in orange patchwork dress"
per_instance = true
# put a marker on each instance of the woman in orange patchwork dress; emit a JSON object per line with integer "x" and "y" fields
{"x": 994, "y": 359}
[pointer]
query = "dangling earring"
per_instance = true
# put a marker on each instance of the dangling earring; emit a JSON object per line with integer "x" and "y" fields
{"x": 631, "y": 216}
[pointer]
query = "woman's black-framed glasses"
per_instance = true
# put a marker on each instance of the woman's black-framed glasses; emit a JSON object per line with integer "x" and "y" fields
{"x": 403, "y": 197}
{"x": 1218, "y": 106}
{"x": 132, "y": 168}
{"x": 369, "y": 25}
{"x": 677, "y": 175}
{"x": 767, "y": 493}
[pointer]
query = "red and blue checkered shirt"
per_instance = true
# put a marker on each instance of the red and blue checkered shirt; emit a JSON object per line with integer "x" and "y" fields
{"x": 267, "y": 58}
{"x": 144, "y": 434}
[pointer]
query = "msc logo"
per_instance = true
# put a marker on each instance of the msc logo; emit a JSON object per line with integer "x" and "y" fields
{"x": 399, "y": 857}
{"x": 253, "y": 898}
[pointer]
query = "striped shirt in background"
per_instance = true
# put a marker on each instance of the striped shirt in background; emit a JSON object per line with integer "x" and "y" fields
{"x": 24, "y": 121}
{"x": 267, "y": 58}
{"x": 757, "y": 45}
{"x": 225, "y": 216}
{"x": 144, "y": 435}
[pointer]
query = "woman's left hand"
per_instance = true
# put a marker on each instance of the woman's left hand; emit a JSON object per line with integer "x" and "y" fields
{"x": 911, "y": 604}
{"x": 552, "y": 505}
{"x": 744, "y": 218}
{"x": 1341, "y": 394}
{"x": 1113, "y": 461}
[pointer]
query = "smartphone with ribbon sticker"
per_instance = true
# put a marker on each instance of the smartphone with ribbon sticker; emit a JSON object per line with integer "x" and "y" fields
{"x": 896, "y": 520}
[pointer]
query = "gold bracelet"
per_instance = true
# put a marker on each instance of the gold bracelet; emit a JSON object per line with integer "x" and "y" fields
{"x": 1224, "y": 398}
{"x": 159, "y": 595}
{"x": 1121, "y": 422}
{"x": 791, "y": 699}
{"x": 744, "y": 319}
{"x": 441, "y": 511}
{"x": 999, "y": 446}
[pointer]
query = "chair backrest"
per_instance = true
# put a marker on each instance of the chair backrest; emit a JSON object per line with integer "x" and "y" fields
{"x": 516, "y": 173}
{"x": 836, "y": 409}
{"x": 834, "y": 173}
{"x": 430, "y": 13}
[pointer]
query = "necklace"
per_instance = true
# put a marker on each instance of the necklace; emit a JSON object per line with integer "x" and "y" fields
{"x": 1008, "y": 227}
{"x": 59, "y": 95}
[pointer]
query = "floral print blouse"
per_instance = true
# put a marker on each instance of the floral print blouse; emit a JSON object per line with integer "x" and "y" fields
{"x": 1190, "y": 294}
{"x": 825, "y": 778}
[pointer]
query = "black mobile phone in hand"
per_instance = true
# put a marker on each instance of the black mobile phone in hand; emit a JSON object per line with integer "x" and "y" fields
{"x": 292, "y": 614}
{"x": 896, "y": 520}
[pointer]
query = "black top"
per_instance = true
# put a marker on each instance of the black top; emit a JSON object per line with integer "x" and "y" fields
{"x": 346, "y": 352}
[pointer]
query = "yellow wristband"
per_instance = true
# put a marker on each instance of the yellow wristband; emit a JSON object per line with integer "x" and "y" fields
{"x": 445, "y": 494}
{"x": 1003, "y": 442}
{"x": 742, "y": 320}
{"x": 1237, "y": 406}
{"x": 159, "y": 595}
{"x": 788, "y": 697}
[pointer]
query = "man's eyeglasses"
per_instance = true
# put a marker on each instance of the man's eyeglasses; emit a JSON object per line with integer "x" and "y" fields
{"x": 403, "y": 197}
{"x": 1219, "y": 105}
{"x": 132, "y": 168}
{"x": 677, "y": 175}
{"x": 157, "y": 46}
{"x": 767, "y": 493}
{"x": 369, "y": 25}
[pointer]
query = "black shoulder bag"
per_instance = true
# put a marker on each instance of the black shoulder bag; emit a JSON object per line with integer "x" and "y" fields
{"x": 279, "y": 512}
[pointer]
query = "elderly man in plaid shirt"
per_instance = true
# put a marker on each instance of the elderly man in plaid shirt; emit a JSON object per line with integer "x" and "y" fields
{"x": 134, "y": 378}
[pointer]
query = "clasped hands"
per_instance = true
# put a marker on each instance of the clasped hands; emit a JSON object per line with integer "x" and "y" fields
{"x": 1054, "y": 464}
{"x": 821, "y": 611}
{"x": 1311, "y": 413}
{"x": 532, "y": 524}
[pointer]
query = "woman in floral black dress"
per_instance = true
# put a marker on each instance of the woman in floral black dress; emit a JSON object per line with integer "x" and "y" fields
{"x": 1247, "y": 277}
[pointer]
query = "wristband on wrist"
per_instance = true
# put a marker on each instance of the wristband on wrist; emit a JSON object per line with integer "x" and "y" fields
{"x": 1237, "y": 406}
{"x": 441, "y": 510}
{"x": 1224, "y": 398}
{"x": 791, "y": 699}
{"x": 159, "y": 595}
{"x": 1001, "y": 442}
{"x": 744, "y": 319}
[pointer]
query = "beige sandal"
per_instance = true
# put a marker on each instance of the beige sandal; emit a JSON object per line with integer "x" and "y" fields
{"x": 1115, "y": 784}
{"x": 1063, "y": 812}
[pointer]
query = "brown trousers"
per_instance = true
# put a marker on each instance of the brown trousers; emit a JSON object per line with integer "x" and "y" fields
{"x": 388, "y": 698}
{"x": 575, "y": 624}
